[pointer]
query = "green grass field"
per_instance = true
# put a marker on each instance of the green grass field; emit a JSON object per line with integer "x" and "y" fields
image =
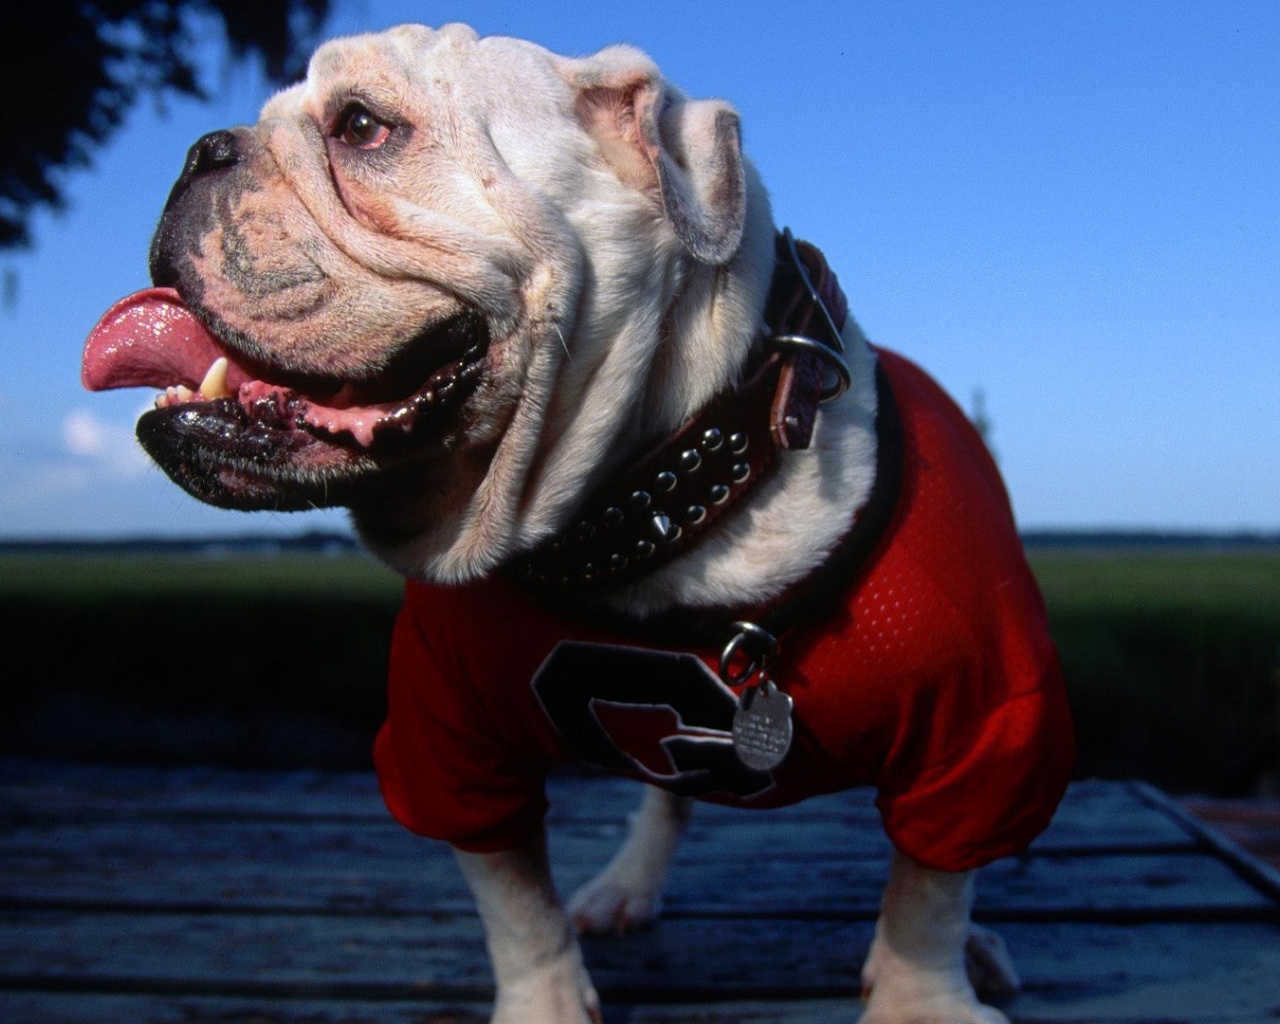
{"x": 1171, "y": 658}
{"x": 1173, "y": 662}
{"x": 1246, "y": 584}
{"x": 77, "y": 578}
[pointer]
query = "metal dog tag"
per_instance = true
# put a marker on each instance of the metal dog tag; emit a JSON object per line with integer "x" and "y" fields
{"x": 762, "y": 726}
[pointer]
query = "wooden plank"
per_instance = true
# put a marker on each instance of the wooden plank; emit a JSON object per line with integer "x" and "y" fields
{"x": 59, "y": 1008}
{"x": 1249, "y": 824}
{"x": 238, "y": 867}
{"x": 1094, "y": 818}
{"x": 184, "y": 1008}
{"x": 211, "y": 860}
{"x": 1094, "y": 814}
{"x": 300, "y": 956}
{"x": 210, "y": 896}
{"x": 56, "y": 789}
{"x": 32, "y": 848}
{"x": 1076, "y": 888}
{"x": 1099, "y": 817}
{"x": 1256, "y": 871}
{"x": 63, "y": 1008}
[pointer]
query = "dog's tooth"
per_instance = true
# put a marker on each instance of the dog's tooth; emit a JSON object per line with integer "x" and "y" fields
{"x": 214, "y": 384}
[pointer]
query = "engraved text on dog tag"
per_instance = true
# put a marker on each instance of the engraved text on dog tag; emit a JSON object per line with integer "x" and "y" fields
{"x": 762, "y": 726}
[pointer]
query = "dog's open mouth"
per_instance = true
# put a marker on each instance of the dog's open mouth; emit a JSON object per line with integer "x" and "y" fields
{"x": 242, "y": 434}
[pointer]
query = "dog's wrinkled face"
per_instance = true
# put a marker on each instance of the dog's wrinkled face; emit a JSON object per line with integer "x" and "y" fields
{"x": 438, "y": 271}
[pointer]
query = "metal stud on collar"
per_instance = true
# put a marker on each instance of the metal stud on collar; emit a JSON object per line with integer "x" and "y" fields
{"x": 663, "y": 527}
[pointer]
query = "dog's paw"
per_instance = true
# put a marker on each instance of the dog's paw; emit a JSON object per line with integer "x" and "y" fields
{"x": 897, "y": 990}
{"x": 978, "y": 1015}
{"x": 883, "y": 1009}
{"x": 561, "y": 993}
{"x": 627, "y": 895}
{"x": 988, "y": 964}
{"x": 615, "y": 903}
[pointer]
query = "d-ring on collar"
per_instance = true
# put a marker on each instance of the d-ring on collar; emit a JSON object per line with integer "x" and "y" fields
{"x": 830, "y": 352}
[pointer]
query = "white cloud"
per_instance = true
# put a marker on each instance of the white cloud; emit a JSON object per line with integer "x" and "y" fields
{"x": 51, "y": 463}
{"x": 84, "y": 434}
{"x": 108, "y": 447}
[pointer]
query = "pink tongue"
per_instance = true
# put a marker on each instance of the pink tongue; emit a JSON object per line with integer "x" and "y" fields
{"x": 147, "y": 339}
{"x": 150, "y": 339}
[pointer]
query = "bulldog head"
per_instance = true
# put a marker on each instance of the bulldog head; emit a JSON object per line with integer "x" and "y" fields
{"x": 444, "y": 281}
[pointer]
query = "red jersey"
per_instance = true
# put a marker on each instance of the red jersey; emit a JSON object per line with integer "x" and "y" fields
{"x": 934, "y": 679}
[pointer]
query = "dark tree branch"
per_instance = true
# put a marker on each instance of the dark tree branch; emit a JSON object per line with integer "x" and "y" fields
{"x": 70, "y": 70}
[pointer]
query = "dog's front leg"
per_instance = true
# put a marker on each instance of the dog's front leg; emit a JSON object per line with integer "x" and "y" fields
{"x": 627, "y": 894}
{"x": 537, "y": 965}
{"x": 916, "y": 970}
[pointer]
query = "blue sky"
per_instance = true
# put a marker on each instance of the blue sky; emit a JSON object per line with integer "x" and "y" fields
{"x": 1073, "y": 208}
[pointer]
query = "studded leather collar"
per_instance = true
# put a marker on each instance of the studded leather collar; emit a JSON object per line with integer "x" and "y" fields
{"x": 662, "y": 503}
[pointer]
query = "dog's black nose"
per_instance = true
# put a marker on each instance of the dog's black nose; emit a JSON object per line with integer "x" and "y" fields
{"x": 212, "y": 152}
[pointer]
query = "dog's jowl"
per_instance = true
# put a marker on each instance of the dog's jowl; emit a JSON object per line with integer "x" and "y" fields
{"x": 530, "y": 319}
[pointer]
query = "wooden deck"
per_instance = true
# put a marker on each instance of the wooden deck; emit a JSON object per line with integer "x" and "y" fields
{"x": 212, "y": 897}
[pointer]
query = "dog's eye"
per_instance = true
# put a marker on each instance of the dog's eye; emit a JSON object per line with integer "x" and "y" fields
{"x": 358, "y": 128}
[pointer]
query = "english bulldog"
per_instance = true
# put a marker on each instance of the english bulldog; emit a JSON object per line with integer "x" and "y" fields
{"x": 659, "y": 503}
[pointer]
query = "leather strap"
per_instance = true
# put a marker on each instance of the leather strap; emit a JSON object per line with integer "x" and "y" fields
{"x": 800, "y": 387}
{"x": 658, "y": 506}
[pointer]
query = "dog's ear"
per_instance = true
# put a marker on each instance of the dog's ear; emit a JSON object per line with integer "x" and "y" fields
{"x": 688, "y": 152}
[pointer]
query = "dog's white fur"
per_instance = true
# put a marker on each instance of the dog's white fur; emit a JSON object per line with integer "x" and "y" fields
{"x": 607, "y": 329}
{"x": 620, "y": 248}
